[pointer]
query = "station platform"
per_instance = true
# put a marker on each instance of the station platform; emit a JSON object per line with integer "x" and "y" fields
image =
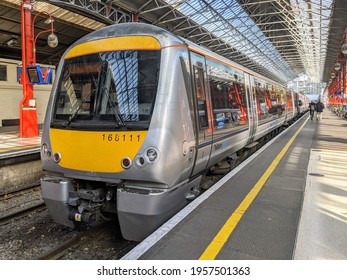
{"x": 287, "y": 201}
{"x": 11, "y": 145}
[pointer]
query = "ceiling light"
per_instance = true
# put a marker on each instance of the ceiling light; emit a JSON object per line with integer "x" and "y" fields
{"x": 12, "y": 42}
{"x": 52, "y": 40}
{"x": 48, "y": 21}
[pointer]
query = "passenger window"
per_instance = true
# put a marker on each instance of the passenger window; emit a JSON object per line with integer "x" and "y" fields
{"x": 221, "y": 94}
{"x": 269, "y": 100}
{"x": 228, "y": 98}
{"x": 262, "y": 106}
{"x": 239, "y": 104}
{"x": 277, "y": 101}
{"x": 200, "y": 96}
{"x": 228, "y": 103}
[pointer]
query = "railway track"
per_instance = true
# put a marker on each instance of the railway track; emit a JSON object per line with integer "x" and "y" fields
{"x": 19, "y": 202}
{"x": 80, "y": 246}
{"x": 17, "y": 191}
{"x": 73, "y": 243}
{"x": 23, "y": 206}
{"x": 18, "y": 214}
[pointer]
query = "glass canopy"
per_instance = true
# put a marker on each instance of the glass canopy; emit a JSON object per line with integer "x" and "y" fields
{"x": 287, "y": 38}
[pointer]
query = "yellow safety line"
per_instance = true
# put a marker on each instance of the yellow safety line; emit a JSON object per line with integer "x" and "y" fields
{"x": 222, "y": 236}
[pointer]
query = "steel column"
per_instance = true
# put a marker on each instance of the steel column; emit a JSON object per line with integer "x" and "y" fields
{"x": 28, "y": 114}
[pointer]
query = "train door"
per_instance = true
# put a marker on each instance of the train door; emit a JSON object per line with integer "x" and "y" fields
{"x": 252, "y": 107}
{"x": 203, "y": 112}
{"x": 290, "y": 104}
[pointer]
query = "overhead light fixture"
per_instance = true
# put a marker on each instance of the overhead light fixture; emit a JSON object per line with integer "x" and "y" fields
{"x": 48, "y": 20}
{"x": 52, "y": 40}
{"x": 12, "y": 42}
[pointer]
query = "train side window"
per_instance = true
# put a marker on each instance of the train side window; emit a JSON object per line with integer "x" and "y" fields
{"x": 200, "y": 96}
{"x": 221, "y": 102}
{"x": 275, "y": 102}
{"x": 262, "y": 104}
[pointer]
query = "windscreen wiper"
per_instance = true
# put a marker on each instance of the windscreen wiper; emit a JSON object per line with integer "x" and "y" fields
{"x": 106, "y": 90}
{"x": 73, "y": 116}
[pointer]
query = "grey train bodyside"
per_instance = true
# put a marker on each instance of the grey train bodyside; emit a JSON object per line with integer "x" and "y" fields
{"x": 187, "y": 133}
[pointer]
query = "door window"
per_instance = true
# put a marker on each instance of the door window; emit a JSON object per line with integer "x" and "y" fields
{"x": 201, "y": 96}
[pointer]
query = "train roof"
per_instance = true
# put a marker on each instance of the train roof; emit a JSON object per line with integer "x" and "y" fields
{"x": 165, "y": 38}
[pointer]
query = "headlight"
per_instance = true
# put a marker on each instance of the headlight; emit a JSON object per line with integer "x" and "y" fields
{"x": 152, "y": 155}
{"x": 45, "y": 151}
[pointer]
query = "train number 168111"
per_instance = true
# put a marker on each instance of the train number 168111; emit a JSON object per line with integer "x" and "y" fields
{"x": 121, "y": 137}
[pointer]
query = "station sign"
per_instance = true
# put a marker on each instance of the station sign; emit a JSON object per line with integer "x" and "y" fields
{"x": 38, "y": 75}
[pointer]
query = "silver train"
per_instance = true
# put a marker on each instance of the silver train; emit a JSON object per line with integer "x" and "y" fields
{"x": 137, "y": 116}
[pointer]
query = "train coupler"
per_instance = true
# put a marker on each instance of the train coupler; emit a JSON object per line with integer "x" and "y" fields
{"x": 85, "y": 205}
{"x": 85, "y": 217}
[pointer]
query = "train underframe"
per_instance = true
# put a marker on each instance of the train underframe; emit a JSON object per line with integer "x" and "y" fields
{"x": 139, "y": 209}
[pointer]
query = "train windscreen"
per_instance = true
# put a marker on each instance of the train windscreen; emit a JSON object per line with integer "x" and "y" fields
{"x": 113, "y": 90}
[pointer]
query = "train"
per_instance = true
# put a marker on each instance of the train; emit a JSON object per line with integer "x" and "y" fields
{"x": 136, "y": 118}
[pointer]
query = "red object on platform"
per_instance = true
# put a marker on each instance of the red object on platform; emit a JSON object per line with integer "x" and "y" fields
{"x": 28, "y": 116}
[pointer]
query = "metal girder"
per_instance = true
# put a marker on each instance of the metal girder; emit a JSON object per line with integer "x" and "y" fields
{"x": 100, "y": 10}
{"x": 335, "y": 37}
{"x": 208, "y": 23}
{"x": 304, "y": 24}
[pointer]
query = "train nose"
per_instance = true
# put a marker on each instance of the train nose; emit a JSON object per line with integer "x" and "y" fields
{"x": 97, "y": 151}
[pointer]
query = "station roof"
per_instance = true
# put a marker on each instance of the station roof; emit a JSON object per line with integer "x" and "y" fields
{"x": 280, "y": 39}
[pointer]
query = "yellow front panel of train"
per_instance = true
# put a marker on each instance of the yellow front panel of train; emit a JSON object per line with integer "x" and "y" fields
{"x": 117, "y": 43}
{"x": 95, "y": 151}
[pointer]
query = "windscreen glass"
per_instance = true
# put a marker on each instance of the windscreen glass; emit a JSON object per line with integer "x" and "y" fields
{"x": 107, "y": 90}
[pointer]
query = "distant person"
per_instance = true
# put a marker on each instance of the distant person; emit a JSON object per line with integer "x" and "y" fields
{"x": 312, "y": 107}
{"x": 319, "y": 108}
